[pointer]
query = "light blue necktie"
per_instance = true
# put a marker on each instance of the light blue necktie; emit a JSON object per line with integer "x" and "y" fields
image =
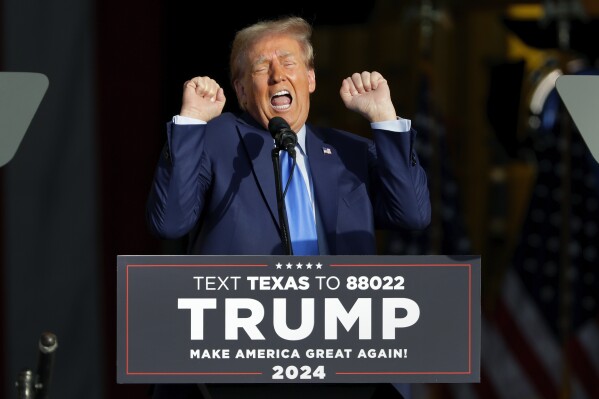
{"x": 302, "y": 229}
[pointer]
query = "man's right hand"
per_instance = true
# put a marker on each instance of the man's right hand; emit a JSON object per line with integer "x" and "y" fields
{"x": 203, "y": 99}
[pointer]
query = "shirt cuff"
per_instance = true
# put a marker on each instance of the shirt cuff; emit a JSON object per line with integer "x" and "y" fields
{"x": 185, "y": 120}
{"x": 398, "y": 125}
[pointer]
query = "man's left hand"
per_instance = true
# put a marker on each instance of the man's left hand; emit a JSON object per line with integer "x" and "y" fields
{"x": 368, "y": 94}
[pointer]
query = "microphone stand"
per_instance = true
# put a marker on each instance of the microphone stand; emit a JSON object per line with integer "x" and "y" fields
{"x": 284, "y": 229}
{"x": 45, "y": 363}
{"x": 30, "y": 386}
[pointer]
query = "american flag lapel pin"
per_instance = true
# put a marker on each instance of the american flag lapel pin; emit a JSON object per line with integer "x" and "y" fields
{"x": 326, "y": 150}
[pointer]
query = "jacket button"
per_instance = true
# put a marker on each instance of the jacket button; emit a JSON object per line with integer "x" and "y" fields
{"x": 166, "y": 154}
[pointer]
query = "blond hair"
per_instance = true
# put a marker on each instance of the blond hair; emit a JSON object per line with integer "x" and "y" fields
{"x": 295, "y": 27}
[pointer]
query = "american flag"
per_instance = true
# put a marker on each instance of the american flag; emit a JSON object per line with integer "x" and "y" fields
{"x": 542, "y": 339}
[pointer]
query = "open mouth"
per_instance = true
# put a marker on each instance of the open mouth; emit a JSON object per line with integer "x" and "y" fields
{"x": 281, "y": 100}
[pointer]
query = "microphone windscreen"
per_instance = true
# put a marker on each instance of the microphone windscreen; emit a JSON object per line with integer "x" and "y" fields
{"x": 276, "y": 124}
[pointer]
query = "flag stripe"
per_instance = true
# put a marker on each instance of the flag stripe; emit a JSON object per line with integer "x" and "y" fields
{"x": 532, "y": 326}
{"x": 533, "y": 367}
{"x": 583, "y": 368}
{"x": 463, "y": 391}
{"x": 485, "y": 389}
{"x": 589, "y": 339}
{"x": 503, "y": 370}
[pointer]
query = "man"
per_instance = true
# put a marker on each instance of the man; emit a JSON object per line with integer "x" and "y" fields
{"x": 215, "y": 180}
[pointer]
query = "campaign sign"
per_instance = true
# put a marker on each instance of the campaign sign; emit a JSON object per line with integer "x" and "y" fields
{"x": 298, "y": 319}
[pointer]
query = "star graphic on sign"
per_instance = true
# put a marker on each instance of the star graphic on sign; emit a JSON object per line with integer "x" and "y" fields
{"x": 319, "y": 265}
{"x": 299, "y": 265}
{"x": 279, "y": 265}
{"x": 308, "y": 265}
{"x": 288, "y": 265}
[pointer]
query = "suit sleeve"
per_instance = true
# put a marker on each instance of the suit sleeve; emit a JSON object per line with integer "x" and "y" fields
{"x": 181, "y": 180}
{"x": 399, "y": 184}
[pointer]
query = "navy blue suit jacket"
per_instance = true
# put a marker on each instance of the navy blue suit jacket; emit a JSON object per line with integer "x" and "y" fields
{"x": 216, "y": 182}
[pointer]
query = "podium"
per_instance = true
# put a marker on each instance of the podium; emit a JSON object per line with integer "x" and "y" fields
{"x": 298, "y": 319}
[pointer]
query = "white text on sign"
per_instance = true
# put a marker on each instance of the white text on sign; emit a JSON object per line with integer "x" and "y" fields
{"x": 334, "y": 313}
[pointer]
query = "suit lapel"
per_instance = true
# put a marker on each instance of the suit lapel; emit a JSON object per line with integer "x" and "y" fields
{"x": 258, "y": 144}
{"x": 326, "y": 170}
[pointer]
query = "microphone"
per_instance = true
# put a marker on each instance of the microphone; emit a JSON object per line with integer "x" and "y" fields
{"x": 47, "y": 347}
{"x": 285, "y": 138}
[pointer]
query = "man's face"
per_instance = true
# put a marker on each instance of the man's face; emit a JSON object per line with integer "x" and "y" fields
{"x": 277, "y": 82}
